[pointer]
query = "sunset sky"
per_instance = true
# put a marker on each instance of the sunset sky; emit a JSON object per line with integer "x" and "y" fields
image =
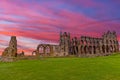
{"x": 40, "y": 21}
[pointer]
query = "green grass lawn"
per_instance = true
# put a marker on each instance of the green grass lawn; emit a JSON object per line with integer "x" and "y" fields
{"x": 98, "y": 68}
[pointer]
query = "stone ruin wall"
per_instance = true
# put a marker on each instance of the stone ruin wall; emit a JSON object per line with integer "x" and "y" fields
{"x": 11, "y": 50}
{"x": 83, "y": 46}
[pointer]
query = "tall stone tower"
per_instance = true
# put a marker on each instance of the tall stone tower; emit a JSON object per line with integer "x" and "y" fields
{"x": 64, "y": 43}
{"x": 11, "y": 51}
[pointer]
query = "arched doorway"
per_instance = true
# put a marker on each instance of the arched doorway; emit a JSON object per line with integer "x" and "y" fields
{"x": 41, "y": 49}
{"x": 34, "y": 53}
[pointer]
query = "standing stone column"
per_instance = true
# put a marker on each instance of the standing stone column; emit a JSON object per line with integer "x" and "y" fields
{"x": 11, "y": 51}
{"x": 105, "y": 50}
{"x": 13, "y": 46}
{"x": 92, "y": 50}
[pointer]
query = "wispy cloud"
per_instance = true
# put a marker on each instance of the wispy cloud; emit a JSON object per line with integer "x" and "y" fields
{"x": 40, "y": 21}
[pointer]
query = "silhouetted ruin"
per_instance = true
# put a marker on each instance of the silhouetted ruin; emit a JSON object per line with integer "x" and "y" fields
{"x": 83, "y": 46}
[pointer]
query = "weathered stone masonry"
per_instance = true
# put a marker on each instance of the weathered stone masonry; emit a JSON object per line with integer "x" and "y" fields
{"x": 83, "y": 46}
{"x": 11, "y": 50}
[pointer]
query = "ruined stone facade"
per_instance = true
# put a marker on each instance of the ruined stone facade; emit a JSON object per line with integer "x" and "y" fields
{"x": 83, "y": 46}
{"x": 11, "y": 50}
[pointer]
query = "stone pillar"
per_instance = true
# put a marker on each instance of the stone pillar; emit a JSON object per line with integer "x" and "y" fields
{"x": 82, "y": 50}
{"x": 37, "y": 52}
{"x": 11, "y": 51}
{"x": 51, "y": 51}
{"x": 92, "y": 50}
{"x": 79, "y": 50}
{"x": 101, "y": 49}
{"x": 44, "y": 51}
{"x": 105, "y": 49}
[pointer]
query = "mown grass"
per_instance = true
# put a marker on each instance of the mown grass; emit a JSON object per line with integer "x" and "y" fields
{"x": 98, "y": 68}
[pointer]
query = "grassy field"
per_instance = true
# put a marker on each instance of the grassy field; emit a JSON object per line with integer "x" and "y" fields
{"x": 99, "y": 68}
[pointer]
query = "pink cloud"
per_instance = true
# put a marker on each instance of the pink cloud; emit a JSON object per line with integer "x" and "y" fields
{"x": 43, "y": 23}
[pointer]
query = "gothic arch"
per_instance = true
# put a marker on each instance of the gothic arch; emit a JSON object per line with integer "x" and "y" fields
{"x": 114, "y": 41}
{"x": 47, "y": 49}
{"x": 82, "y": 42}
{"x": 34, "y": 53}
{"x": 111, "y": 42}
{"x": 85, "y": 42}
{"x": 41, "y": 49}
{"x": 44, "y": 49}
{"x": 107, "y": 41}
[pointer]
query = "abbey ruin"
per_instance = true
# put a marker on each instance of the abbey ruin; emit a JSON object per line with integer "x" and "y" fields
{"x": 83, "y": 46}
{"x": 11, "y": 50}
